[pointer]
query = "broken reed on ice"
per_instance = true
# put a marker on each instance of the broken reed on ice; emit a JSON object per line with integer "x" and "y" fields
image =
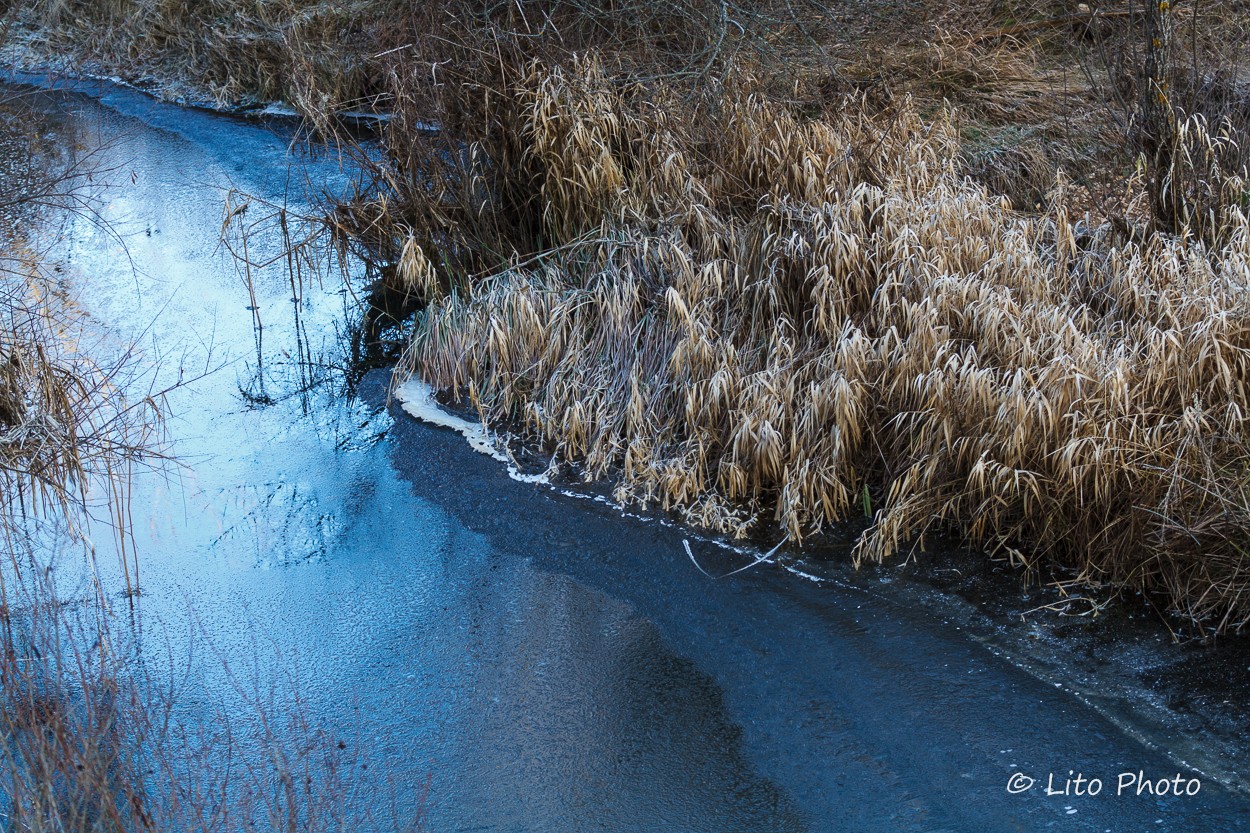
{"x": 747, "y": 316}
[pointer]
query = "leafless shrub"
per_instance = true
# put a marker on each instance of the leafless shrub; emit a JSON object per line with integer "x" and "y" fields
{"x": 1169, "y": 80}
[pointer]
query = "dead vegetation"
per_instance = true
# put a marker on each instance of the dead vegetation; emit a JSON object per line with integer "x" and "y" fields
{"x": 762, "y": 310}
{"x": 91, "y": 744}
{"x": 977, "y": 269}
{"x": 308, "y": 52}
{"x": 830, "y": 318}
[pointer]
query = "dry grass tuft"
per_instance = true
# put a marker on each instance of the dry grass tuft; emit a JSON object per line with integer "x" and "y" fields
{"x": 758, "y": 318}
{"x": 66, "y": 427}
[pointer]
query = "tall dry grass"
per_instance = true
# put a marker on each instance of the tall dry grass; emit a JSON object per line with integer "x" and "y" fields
{"x": 760, "y": 319}
{"x": 726, "y": 255}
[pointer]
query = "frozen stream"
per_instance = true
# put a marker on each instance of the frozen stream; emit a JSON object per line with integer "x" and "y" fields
{"x": 548, "y": 664}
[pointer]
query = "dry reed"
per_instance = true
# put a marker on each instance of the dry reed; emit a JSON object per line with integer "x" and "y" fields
{"x": 761, "y": 291}
{"x": 755, "y": 318}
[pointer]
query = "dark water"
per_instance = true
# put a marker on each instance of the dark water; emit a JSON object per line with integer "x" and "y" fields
{"x": 547, "y": 664}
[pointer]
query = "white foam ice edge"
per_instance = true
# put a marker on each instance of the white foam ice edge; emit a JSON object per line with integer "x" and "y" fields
{"x": 417, "y": 399}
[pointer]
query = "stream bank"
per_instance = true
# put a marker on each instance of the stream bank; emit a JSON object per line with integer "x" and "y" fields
{"x": 547, "y": 662}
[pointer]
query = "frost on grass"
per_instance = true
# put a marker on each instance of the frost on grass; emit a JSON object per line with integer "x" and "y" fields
{"x": 756, "y": 318}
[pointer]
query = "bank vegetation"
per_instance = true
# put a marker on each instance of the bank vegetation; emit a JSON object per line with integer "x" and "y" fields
{"x": 978, "y": 272}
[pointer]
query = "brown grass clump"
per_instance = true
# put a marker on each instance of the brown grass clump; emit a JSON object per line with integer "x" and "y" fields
{"x": 753, "y": 317}
{"x": 730, "y": 256}
{"x": 308, "y": 52}
{"x": 65, "y": 426}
